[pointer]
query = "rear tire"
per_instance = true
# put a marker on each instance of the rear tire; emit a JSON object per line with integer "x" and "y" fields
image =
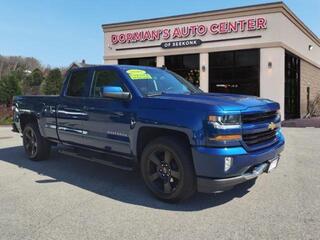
{"x": 36, "y": 147}
{"x": 167, "y": 169}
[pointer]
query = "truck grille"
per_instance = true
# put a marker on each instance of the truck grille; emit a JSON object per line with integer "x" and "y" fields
{"x": 258, "y": 117}
{"x": 260, "y": 137}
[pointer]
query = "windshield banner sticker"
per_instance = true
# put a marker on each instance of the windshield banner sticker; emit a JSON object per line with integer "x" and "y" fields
{"x": 137, "y": 74}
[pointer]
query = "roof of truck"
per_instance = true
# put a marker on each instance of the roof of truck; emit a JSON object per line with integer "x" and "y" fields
{"x": 114, "y": 66}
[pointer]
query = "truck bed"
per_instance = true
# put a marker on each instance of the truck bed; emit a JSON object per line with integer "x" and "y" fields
{"x": 43, "y": 107}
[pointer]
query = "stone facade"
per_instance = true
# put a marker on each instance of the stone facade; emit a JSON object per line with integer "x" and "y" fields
{"x": 310, "y": 77}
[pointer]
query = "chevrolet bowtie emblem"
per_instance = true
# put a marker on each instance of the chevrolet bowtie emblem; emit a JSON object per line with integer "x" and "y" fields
{"x": 272, "y": 126}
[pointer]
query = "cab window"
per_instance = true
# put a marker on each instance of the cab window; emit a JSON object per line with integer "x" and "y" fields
{"x": 105, "y": 78}
{"x": 76, "y": 85}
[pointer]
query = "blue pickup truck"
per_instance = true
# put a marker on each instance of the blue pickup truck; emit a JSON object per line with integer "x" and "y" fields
{"x": 181, "y": 139}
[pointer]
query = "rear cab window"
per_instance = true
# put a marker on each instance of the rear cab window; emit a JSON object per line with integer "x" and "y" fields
{"x": 76, "y": 83}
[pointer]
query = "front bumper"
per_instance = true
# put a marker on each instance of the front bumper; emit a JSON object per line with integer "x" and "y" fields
{"x": 209, "y": 185}
{"x": 14, "y": 128}
{"x": 209, "y": 165}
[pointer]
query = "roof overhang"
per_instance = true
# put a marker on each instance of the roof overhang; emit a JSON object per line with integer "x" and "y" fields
{"x": 275, "y": 7}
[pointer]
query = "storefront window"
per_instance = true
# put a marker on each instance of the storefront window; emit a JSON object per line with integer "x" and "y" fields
{"x": 292, "y": 86}
{"x": 148, "y": 61}
{"x": 186, "y": 66}
{"x": 235, "y": 72}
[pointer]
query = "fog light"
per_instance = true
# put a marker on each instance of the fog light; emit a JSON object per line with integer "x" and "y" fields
{"x": 228, "y": 161}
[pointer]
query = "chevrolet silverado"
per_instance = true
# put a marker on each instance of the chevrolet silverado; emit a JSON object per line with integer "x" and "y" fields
{"x": 181, "y": 139}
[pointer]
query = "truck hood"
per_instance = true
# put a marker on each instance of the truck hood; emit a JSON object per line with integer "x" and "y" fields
{"x": 225, "y": 102}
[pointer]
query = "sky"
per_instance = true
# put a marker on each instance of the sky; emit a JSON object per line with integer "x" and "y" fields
{"x": 58, "y": 32}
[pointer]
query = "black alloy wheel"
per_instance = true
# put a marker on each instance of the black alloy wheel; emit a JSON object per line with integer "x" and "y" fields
{"x": 163, "y": 171}
{"x": 30, "y": 142}
{"x": 167, "y": 169}
{"x": 36, "y": 147}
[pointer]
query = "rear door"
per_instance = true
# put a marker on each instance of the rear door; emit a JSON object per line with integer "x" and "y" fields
{"x": 70, "y": 113}
{"x": 109, "y": 120}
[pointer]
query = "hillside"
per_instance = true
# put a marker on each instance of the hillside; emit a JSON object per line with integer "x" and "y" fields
{"x": 12, "y": 63}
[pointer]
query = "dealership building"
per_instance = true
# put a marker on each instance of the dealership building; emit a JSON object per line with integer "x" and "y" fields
{"x": 263, "y": 50}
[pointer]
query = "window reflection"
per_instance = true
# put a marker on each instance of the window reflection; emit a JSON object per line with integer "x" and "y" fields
{"x": 186, "y": 66}
{"x": 235, "y": 72}
{"x": 148, "y": 61}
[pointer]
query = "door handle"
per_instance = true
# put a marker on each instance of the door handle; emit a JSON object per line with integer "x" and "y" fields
{"x": 86, "y": 108}
{"x": 52, "y": 109}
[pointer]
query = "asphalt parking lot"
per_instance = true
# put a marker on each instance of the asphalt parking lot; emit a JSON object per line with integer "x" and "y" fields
{"x": 68, "y": 198}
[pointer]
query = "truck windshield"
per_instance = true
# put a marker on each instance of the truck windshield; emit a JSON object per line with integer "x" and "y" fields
{"x": 154, "y": 81}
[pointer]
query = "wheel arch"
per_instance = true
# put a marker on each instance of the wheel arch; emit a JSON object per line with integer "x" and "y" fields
{"x": 146, "y": 134}
{"x": 26, "y": 118}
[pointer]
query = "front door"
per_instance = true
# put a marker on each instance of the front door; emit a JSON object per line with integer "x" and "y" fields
{"x": 109, "y": 120}
{"x": 292, "y": 86}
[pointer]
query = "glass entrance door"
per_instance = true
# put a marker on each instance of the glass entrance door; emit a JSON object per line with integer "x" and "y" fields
{"x": 292, "y": 86}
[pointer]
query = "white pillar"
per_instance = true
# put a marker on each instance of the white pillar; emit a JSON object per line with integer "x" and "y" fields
{"x": 204, "y": 72}
{"x": 272, "y": 74}
{"x": 160, "y": 61}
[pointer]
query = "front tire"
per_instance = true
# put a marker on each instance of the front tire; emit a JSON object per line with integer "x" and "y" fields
{"x": 36, "y": 147}
{"x": 167, "y": 169}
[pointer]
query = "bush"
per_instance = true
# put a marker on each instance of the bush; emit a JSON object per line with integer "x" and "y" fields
{"x": 315, "y": 107}
{"x": 6, "y": 121}
{"x": 5, "y": 115}
{"x": 9, "y": 87}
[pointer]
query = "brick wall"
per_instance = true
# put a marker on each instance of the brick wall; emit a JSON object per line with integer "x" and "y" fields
{"x": 310, "y": 77}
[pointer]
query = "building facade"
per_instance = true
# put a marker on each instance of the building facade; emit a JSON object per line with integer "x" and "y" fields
{"x": 262, "y": 50}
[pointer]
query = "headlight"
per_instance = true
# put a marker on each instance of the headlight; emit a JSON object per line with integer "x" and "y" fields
{"x": 279, "y": 113}
{"x": 225, "y": 121}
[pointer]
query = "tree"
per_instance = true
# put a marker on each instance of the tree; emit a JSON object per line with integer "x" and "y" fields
{"x": 52, "y": 83}
{"x": 36, "y": 77}
{"x": 13, "y": 63}
{"x": 31, "y": 82}
{"x": 9, "y": 87}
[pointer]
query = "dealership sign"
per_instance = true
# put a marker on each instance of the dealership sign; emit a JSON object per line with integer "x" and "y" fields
{"x": 190, "y": 31}
{"x": 184, "y": 43}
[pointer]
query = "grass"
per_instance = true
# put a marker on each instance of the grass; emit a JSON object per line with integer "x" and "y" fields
{"x": 6, "y": 121}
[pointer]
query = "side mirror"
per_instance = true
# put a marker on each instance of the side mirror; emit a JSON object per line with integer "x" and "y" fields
{"x": 114, "y": 92}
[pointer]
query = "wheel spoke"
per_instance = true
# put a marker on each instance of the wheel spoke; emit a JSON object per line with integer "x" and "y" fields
{"x": 175, "y": 174}
{"x": 28, "y": 145}
{"x": 33, "y": 136}
{"x": 28, "y": 135}
{"x": 167, "y": 187}
{"x": 34, "y": 149}
{"x": 154, "y": 176}
{"x": 154, "y": 159}
{"x": 167, "y": 157}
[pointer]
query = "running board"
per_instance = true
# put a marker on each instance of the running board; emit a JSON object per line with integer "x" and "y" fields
{"x": 74, "y": 153}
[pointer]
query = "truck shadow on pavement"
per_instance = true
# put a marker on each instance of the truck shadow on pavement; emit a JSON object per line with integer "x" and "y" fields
{"x": 113, "y": 183}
